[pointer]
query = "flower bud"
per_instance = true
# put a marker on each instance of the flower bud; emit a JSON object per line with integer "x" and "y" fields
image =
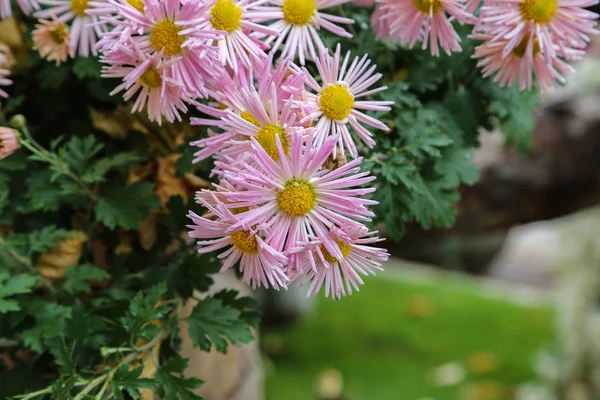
{"x": 9, "y": 141}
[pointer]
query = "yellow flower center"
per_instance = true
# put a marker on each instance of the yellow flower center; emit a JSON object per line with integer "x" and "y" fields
{"x": 344, "y": 248}
{"x": 166, "y": 35}
{"x": 519, "y": 51}
{"x": 267, "y": 139}
{"x": 298, "y": 12}
{"x": 58, "y": 34}
{"x": 297, "y": 198}
{"x": 137, "y": 4}
{"x": 225, "y": 15}
{"x": 248, "y": 117}
{"x": 79, "y": 7}
{"x": 538, "y": 11}
{"x": 244, "y": 242}
{"x": 151, "y": 78}
{"x": 336, "y": 102}
{"x": 428, "y": 6}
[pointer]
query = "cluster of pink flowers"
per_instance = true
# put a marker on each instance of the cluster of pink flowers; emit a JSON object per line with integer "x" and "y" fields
{"x": 520, "y": 37}
{"x": 290, "y": 203}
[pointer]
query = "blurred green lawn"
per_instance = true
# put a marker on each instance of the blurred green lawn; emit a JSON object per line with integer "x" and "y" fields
{"x": 385, "y": 345}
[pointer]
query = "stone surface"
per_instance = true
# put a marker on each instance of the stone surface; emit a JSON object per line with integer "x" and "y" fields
{"x": 237, "y": 375}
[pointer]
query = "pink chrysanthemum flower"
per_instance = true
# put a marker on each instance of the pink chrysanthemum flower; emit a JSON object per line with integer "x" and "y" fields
{"x": 27, "y": 6}
{"x": 381, "y": 20}
{"x": 552, "y": 23}
{"x": 295, "y": 198}
{"x": 427, "y": 21}
{"x": 320, "y": 268}
{"x": 243, "y": 112}
{"x": 299, "y": 27}
{"x": 260, "y": 264}
{"x": 4, "y": 73}
{"x": 85, "y": 29}
{"x": 237, "y": 19}
{"x": 9, "y": 142}
{"x": 519, "y": 64}
{"x": 144, "y": 76}
{"x": 158, "y": 29}
{"x": 337, "y": 102}
{"x": 53, "y": 40}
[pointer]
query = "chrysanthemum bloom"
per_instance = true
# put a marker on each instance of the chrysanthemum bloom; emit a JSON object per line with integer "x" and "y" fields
{"x": 85, "y": 29}
{"x": 358, "y": 258}
{"x": 337, "y": 101}
{"x": 192, "y": 62}
{"x": 27, "y": 6}
{"x": 237, "y": 19}
{"x": 427, "y": 21}
{"x": 242, "y": 111}
{"x": 295, "y": 197}
{"x": 381, "y": 20}
{"x": 520, "y": 63}
{"x": 4, "y": 73}
{"x": 144, "y": 76}
{"x": 299, "y": 27}
{"x": 260, "y": 264}
{"x": 111, "y": 18}
{"x": 552, "y": 23}
{"x": 53, "y": 40}
{"x": 9, "y": 142}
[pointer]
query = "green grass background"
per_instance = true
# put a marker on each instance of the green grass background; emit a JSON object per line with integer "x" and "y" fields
{"x": 384, "y": 352}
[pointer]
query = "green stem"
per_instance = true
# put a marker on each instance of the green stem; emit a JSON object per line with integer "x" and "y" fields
{"x": 33, "y": 395}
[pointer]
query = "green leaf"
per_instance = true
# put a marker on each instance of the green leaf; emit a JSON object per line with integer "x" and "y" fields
{"x": 219, "y": 319}
{"x": 127, "y": 206}
{"x": 77, "y": 278}
{"x": 52, "y": 77}
{"x": 173, "y": 386}
{"x": 145, "y": 309}
{"x": 78, "y": 152}
{"x": 127, "y": 379}
{"x": 87, "y": 67}
{"x": 11, "y": 286}
{"x": 100, "y": 168}
{"x": 84, "y": 328}
{"x": 45, "y": 239}
{"x": 51, "y": 320}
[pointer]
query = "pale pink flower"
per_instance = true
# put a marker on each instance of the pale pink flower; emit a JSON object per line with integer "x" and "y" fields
{"x": 237, "y": 20}
{"x": 53, "y": 40}
{"x": 320, "y": 268}
{"x": 520, "y": 64}
{"x": 259, "y": 263}
{"x": 158, "y": 29}
{"x": 381, "y": 20}
{"x": 4, "y": 73}
{"x": 299, "y": 24}
{"x": 427, "y": 21}
{"x": 339, "y": 101}
{"x": 85, "y": 29}
{"x": 27, "y": 6}
{"x": 294, "y": 198}
{"x": 144, "y": 77}
{"x": 243, "y": 111}
{"x": 554, "y": 24}
{"x": 364, "y": 3}
{"x": 9, "y": 142}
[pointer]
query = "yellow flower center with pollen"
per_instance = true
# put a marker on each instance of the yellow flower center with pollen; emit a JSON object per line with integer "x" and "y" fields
{"x": 267, "y": 139}
{"x": 244, "y": 242}
{"x": 336, "y": 102}
{"x": 344, "y": 249}
{"x": 519, "y": 51}
{"x": 166, "y": 35}
{"x": 428, "y": 6}
{"x": 538, "y": 11}
{"x": 151, "y": 78}
{"x": 58, "y": 34}
{"x": 137, "y": 4}
{"x": 225, "y": 15}
{"x": 297, "y": 198}
{"x": 298, "y": 12}
{"x": 79, "y": 7}
{"x": 248, "y": 117}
